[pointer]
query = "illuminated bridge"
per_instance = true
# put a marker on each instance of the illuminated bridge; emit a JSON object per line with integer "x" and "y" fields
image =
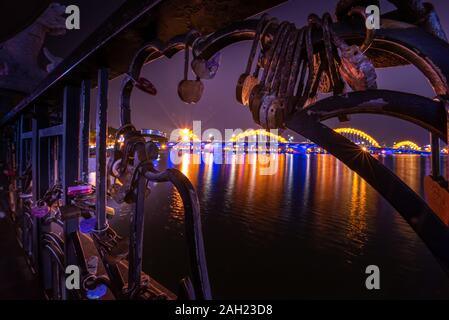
{"x": 252, "y": 139}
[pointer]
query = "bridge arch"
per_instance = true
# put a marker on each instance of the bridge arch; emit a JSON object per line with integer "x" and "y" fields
{"x": 406, "y": 144}
{"x": 258, "y": 132}
{"x": 360, "y": 134}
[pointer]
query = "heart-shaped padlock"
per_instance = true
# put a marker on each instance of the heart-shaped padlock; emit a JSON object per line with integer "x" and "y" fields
{"x": 190, "y": 91}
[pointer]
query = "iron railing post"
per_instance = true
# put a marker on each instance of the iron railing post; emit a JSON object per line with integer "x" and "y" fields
{"x": 70, "y": 170}
{"x": 84, "y": 131}
{"x": 435, "y": 150}
{"x": 101, "y": 135}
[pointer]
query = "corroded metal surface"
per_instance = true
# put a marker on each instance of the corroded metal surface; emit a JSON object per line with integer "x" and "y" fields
{"x": 177, "y": 17}
{"x": 424, "y": 112}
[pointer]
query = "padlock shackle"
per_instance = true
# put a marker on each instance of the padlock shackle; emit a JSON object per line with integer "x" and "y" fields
{"x": 283, "y": 68}
{"x": 369, "y": 33}
{"x": 296, "y": 63}
{"x": 260, "y": 28}
{"x": 191, "y": 36}
{"x": 336, "y": 81}
{"x": 274, "y": 57}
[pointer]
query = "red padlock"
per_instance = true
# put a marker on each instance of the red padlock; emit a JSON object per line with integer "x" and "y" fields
{"x": 146, "y": 86}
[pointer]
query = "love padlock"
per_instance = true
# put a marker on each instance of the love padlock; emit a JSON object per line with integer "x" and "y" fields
{"x": 271, "y": 78}
{"x": 40, "y": 210}
{"x": 146, "y": 86}
{"x": 284, "y": 86}
{"x": 206, "y": 69}
{"x": 248, "y": 81}
{"x": 189, "y": 91}
{"x": 261, "y": 90}
{"x": 355, "y": 67}
{"x": 277, "y": 108}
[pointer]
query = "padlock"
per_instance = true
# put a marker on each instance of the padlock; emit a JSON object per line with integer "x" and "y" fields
{"x": 145, "y": 85}
{"x": 248, "y": 81}
{"x": 79, "y": 190}
{"x": 206, "y": 69}
{"x": 334, "y": 75}
{"x": 277, "y": 108}
{"x": 40, "y": 210}
{"x": 303, "y": 90}
{"x": 355, "y": 67}
{"x": 190, "y": 91}
{"x": 261, "y": 90}
{"x": 270, "y": 94}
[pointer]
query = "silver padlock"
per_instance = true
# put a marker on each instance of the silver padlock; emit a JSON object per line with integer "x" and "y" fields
{"x": 206, "y": 69}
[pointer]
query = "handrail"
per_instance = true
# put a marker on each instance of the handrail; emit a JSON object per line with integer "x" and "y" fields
{"x": 192, "y": 222}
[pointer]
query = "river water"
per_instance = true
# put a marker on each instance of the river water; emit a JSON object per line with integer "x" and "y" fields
{"x": 308, "y": 231}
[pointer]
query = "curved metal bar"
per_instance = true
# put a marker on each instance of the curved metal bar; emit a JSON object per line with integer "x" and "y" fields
{"x": 57, "y": 257}
{"x": 369, "y": 33}
{"x": 426, "y": 52}
{"x": 409, "y": 205}
{"x": 194, "y": 234}
{"x": 150, "y": 51}
{"x": 55, "y": 253}
{"x": 54, "y": 238}
{"x": 424, "y": 112}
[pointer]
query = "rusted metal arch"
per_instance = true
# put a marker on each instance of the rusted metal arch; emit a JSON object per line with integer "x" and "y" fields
{"x": 414, "y": 45}
{"x": 150, "y": 52}
{"x": 409, "y": 205}
{"x": 424, "y": 112}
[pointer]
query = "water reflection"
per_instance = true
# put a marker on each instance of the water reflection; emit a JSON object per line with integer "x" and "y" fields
{"x": 309, "y": 231}
{"x": 357, "y": 224}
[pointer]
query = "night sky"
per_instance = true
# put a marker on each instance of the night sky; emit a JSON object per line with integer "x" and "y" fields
{"x": 218, "y": 107}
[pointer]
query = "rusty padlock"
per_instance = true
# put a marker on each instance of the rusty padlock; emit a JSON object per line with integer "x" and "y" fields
{"x": 146, "y": 86}
{"x": 334, "y": 75}
{"x": 247, "y": 81}
{"x": 355, "y": 67}
{"x": 190, "y": 91}
{"x": 206, "y": 69}
{"x": 304, "y": 90}
{"x": 273, "y": 78}
{"x": 277, "y": 108}
{"x": 281, "y": 105}
{"x": 261, "y": 91}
